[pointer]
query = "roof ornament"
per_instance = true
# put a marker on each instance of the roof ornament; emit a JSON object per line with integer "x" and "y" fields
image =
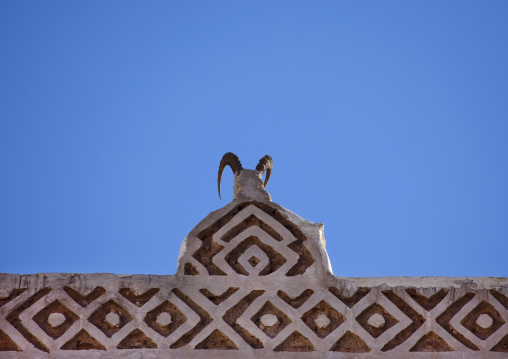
{"x": 232, "y": 160}
{"x": 265, "y": 164}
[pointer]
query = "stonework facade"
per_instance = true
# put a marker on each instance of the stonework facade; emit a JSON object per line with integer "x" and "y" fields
{"x": 253, "y": 281}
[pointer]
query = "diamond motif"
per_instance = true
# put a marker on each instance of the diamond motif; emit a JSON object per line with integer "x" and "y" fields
{"x": 380, "y": 328}
{"x": 254, "y": 261}
{"x": 272, "y": 330}
{"x": 16, "y": 321}
{"x": 316, "y": 317}
{"x": 275, "y": 259}
{"x": 208, "y": 248}
{"x": 98, "y": 318}
{"x": 51, "y": 326}
{"x": 155, "y": 322}
{"x": 472, "y": 323}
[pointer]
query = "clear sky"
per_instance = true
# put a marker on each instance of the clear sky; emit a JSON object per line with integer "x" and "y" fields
{"x": 387, "y": 121}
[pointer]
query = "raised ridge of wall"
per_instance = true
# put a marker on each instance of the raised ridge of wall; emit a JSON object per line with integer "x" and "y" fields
{"x": 253, "y": 281}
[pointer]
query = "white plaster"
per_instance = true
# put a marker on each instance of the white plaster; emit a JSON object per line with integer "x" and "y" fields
{"x": 268, "y": 320}
{"x": 164, "y": 318}
{"x": 484, "y": 320}
{"x": 376, "y": 320}
{"x": 55, "y": 319}
{"x": 322, "y": 321}
{"x": 113, "y": 318}
{"x": 430, "y": 284}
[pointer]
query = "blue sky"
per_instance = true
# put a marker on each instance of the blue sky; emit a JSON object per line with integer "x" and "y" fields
{"x": 387, "y": 121}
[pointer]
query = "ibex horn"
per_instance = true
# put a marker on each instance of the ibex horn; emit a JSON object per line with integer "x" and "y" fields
{"x": 265, "y": 164}
{"x": 231, "y": 160}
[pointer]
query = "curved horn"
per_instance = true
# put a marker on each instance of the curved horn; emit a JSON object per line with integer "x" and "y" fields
{"x": 265, "y": 164}
{"x": 231, "y": 160}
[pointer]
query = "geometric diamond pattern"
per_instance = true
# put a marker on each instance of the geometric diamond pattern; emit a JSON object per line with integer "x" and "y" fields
{"x": 471, "y": 321}
{"x": 270, "y": 329}
{"x": 376, "y": 328}
{"x": 323, "y": 310}
{"x": 266, "y": 221}
{"x": 254, "y": 261}
{"x": 177, "y": 318}
{"x": 42, "y": 318}
{"x": 98, "y": 318}
{"x": 315, "y": 319}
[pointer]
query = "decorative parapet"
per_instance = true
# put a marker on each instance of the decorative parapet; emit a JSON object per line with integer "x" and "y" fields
{"x": 253, "y": 280}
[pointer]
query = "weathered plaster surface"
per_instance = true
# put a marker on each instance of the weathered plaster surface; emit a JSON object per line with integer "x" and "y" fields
{"x": 253, "y": 280}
